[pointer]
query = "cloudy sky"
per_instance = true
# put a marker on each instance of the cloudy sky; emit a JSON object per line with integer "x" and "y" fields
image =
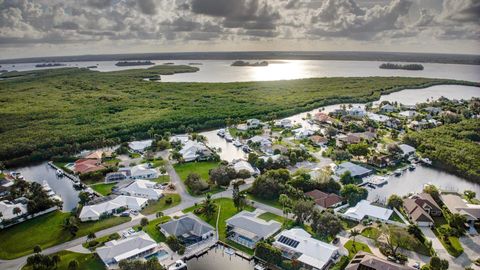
{"x": 70, "y": 27}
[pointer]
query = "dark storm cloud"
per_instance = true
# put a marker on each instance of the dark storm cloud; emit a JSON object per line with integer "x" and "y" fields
{"x": 147, "y": 6}
{"x": 99, "y": 3}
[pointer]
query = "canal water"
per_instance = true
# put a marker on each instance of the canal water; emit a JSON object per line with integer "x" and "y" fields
{"x": 217, "y": 259}
{"x": 62, "y": 186}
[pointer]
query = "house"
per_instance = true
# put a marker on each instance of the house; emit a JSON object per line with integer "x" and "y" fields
{"x": 302, "y": 133}
{"x": 364, "y": 261}
{"x": 189, "y": 229}
{"x": 382, "y": 161}
{"x": 284, "y": 123}
{"x": 433, "y": 110}
{"x": 407, "y": 150}
{"x": 279, "y": 148}
{"x": 136, "y": 246}
{"x": 141, "y": 171}
{"x": 456, "y": 204}
{"x": 408, "y": 114}
{"x": 355, "y": 170}
{"x": 253, "y": 123}
{"x": 239, "y": 165}
{"x": 366, "y": 136}
{"x": 364, "y": 209}
{"x": 143, "y": 189}
{"x": 94, "y": 212}
{"x": 356, "y": 111}
{"x": 180, "y": 138}
{"x": 378, "y": 117}
{"x": 99, "y": 154}
{"x": 323, "y": 118}
{"x": 140, "y": 146}
{"x": 193, "y": 150}
{"x": 263, "y": 142}
{"x": 318, "y": 140}
{"x": 7, "y": 209}
{"x": 387, "y": 108}
{"x": 242, "y": 127}
{"x": 343, "y": 140}
{"x": 83, "y": 165}
{"x": 297, "y": 244}
{"x": 116, "y": 177}
{"x": 245, "y": 228}
{"x": 393, "y": 123}
{"x": 420, "y": 208}
{"x": 325, "y": 200}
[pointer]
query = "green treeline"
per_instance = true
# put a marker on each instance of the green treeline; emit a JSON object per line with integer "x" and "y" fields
{"x": 452, "y": 147}
{"x": 45, "y": 113}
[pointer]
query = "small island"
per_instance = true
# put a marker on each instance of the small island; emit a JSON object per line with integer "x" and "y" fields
{"x": 400, "y": 66}
{"x": 134, "y": 63}
{"x": 195, "y": 64}
{"x": 49, "y": 65}
{"x": 240, "y": 63}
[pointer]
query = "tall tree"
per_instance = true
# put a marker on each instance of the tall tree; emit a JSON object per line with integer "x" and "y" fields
{"x": 353, "y": 234}
{"x": 209, "y": 207}
{"x": 395, "y": 201}
{"x": 239, "y": 199}
{"x": 302, "y": 210}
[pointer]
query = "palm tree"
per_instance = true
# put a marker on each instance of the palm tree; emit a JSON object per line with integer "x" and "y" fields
{"x": 16, "y": 211}
{"x": 37, "y": 249}
{"x": 73, "y": 265}
{"x": 353, "y": 234}
{"x": 159, "y": 214}
{"x": 91, "y": 236}
{"x": 55, "y": 260}
{"x": 284, "y": 201}
{"x": 208, "y": 207}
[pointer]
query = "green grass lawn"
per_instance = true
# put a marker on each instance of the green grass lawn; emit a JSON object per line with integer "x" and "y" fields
{"x": 451, "y": 244}
{"x": 46, "y": 231}
{"x": 267, "y": 216}
{"x": 227, "y": 211}
{"x": 100, "y": 240}
{"x": 200, "y": 168}
{"x": 273, "y": 203}
{"x": 162, "y": 179}
{"x": 160, "y": 205}
{"x": 370, "y": 232}
{"x": 104, "y": 188}
{"x": 353, "y": 249}
{"x": 85, "y": 261}
{"x": 396, "y": 217}
{"x": 151, "y": 229}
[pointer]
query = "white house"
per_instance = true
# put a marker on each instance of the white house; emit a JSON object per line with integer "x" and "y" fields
{"x": 239, "y": 165}
{"x": 141, "y": 171}
{"x": 93, "y": 212}
{"x": 253, "y": 123}
{"x": 365, "y": 209}
{"x": 378, "y": 117}
{"x": 142, "y": 188}
{"x": 407, "y": 150}
{"x": 408, "y": 114}
{"x": 284, "y": 123}
{"x": 180, "y": 138}
{"x": 356, "y": 111}
{"x": 136, "y": 246}
{"x": 297, "y": 244}
{"x": 193, "y": 150}
{"x": 387, "y": 108}
{"x": 262, "y": 141}
{"x": 302, "y": 133}
{"x": 245, "y": 228}
{"x": 6, "y": 208}
{"x": 140, "y": 146}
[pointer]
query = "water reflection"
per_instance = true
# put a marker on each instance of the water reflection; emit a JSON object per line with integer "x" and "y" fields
{"x": 62, "y": 186}
{"x": 229, "y": 152}
{"x": 217, "y": 259}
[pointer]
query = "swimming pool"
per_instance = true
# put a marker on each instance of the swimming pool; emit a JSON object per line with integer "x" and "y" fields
{"x": 161, "y": 254}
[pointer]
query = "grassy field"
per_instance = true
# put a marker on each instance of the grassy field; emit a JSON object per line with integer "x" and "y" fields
{"x": 45, "y": 231}
{"x": 85, "y": 261}
{"x": 162, "y": 179}
{"x": 100, "y": 241}
{"x": 50, "y": 112}
{"x": 200, "y": 168}
{"x": 152, "y": 230}
{"x": 370, "y": 232}
{"x": 353, "y": 249}
{"x": 267, "y": 216}
{"x": 273, "y": 203}
{"x": 103, "y": 188}
{"x": 160, "y": 205}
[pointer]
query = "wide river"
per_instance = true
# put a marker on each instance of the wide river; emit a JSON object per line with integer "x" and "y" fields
{"x": 222, "y": 71}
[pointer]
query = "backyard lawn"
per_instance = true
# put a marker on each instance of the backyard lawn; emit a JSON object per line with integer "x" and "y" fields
{"x": 200, "y": 168}
{"x": 101, "y": 240}
{"x": 370, "y": 232}
{"x": 353, "y": 249}
{"x": 46, "y": 231}
{"x": 160, "y": 205}
{"x": 104, "y": 188}
{"x": 151, "y": 229}
{"x": 86, "y": 261}
{"x": 162, "y": 179}
{"x": 267, "y": 216}
{"x": 396, "y": 217}
{"x": 273, "y": 203}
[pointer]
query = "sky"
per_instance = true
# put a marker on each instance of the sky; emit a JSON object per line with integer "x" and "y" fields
{"x": 77, "y": 27}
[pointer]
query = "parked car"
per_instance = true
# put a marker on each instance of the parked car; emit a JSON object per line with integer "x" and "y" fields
{"x": 336, "y": 240}
{"x": 125, "y": 214}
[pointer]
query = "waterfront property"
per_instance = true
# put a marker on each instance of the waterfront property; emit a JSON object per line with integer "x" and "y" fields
{"x": 407, "y": 150}
{"x": 193, "y": 150}
{"x": 456, "y": 204}
{"x": 142, "y": 188}
{"x": 141, "y": 171}
{"x": 239, "y": 165}
{"x": 297, "y": 244}
{"x": 116, "y": 177}
{"x": 365, "y": 209}
{"x": 364, "y": 260}
{"x": 139, "y": 245}
{"x": 421, "y": 208}
{"x": 246, "y": 228}
{"x": 11, "y": 210}
{"x": 94, "y": 212}
{"x": 139, "y": 146}
{"x": 354, "y": 169}
{"x": 189, "y": 229}
{"x": 325, "y": 200}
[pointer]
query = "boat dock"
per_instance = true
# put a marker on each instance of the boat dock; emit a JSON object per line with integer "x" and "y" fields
{"x": 72, "y": 177}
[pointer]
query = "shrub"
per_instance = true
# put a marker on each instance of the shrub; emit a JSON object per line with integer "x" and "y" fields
{"x": 169, "y": 200}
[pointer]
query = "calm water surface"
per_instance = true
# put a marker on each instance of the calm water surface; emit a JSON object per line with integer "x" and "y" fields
{"x": 62, "y": 186}
{"x": 221, "y": 71}
{"x": 216, "y": 259}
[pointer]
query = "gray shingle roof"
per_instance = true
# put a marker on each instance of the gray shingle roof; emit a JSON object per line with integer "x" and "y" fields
{"x": 188, "y": 224}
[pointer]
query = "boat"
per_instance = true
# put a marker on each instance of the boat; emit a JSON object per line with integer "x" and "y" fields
{"x": 259, "y": 267}
{"x": 246, "y": 149}
{"x": 426, "y": 161}
{"x": 49, "y": 65}
{"x": 411, "y": 167}
{"x": 229, "y": 251}
{"x": 228, "y": 137}
{"x": 178, "y": 265}
{"x": 237, "y": 143}
{"x": 397, "y": 172}
{"x": 221, "y": 132}
{"x": 92, "y": 67}
{"x": 59, "y": 173}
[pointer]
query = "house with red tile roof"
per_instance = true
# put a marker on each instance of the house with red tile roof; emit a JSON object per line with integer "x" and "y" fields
{"x": 87, "y": 165}
{"x": 325, "y": 200}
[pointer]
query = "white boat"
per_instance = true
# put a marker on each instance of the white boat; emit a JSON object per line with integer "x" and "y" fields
{"x": 237, "y": 143}
{"x": 427, "y": 161}
{"x": 229, "y": 251}
{"x": 228, "y": 137}
{"x": 259, "y": 267}
{"x": 397, "y": 172}
{"x": 178, "y": 265}
{"x": 221, "y": 132}
{"x": 59, "y": 173}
